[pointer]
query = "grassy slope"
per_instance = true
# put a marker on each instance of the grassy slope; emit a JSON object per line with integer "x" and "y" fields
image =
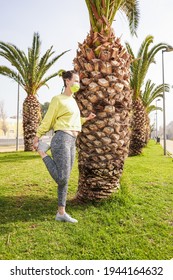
{"x": 136, "y": 223}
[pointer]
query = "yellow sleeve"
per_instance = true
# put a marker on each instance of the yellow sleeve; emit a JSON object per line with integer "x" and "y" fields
{"x": 49, "y": 119}
{"x": 83, "y": 120}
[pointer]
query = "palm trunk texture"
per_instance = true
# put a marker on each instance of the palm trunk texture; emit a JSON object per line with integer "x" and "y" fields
{"x": 148, "y": 130}
{"x": 31, "y": 120}
{"x": 138, "y": 126}
{"x": 103, "y": 65}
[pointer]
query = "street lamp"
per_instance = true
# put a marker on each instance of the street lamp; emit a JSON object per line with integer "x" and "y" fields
{"x": 17, "y": 130}
{"x": 156, "y": 118}
{"x": 168, "y": 49}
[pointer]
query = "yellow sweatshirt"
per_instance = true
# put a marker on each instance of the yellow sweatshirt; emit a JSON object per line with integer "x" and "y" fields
{"x": 63, "y": 114}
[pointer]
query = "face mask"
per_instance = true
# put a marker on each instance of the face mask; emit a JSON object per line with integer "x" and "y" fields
{"x": 74, "y": 88}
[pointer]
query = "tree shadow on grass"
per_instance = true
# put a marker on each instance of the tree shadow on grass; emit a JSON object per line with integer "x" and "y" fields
{"x": 26, "y": 208}
{"x": 34, "y": 209}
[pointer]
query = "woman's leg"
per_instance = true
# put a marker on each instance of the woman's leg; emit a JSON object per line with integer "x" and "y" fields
{"x": 63, "y": 153}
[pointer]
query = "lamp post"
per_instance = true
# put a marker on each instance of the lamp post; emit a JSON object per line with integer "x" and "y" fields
{"x": 156, "y": 118}
{"x": 17, "y": 130}
{"x": 168, "y": 49}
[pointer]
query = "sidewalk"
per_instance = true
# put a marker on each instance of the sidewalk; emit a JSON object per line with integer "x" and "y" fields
{"x": 4, "y": 149}
{"x": 9, "y": 145}
{"x": 169, "y": 146}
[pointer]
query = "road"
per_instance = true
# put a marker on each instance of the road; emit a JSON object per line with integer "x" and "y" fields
{"x": 4, "y": 149}
{"x": 9, "y": 145}
{"x": 10, "y": 142}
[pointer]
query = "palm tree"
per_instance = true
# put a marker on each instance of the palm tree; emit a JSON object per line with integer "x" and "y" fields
{"x": 30, "y": 73}
{"x": 139, "y": 68}
{"x": 104, "y": 68}
{"x": 151, "y": 92}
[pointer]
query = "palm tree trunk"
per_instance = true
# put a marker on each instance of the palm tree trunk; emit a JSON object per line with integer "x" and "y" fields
{"x": 148, "y": 130}
{"x": 105, "y": 90}
{"x": 31, "y": 120}
{"x": 138, "y": 127}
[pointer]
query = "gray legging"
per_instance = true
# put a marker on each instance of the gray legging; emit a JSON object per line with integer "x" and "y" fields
{"x": 63, "y": 154}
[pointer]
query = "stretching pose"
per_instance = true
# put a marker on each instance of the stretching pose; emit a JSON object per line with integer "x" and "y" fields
{"x": 63, "y": 116}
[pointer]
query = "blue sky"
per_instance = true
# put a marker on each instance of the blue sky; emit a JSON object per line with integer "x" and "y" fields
{"x": 65, "y": 23}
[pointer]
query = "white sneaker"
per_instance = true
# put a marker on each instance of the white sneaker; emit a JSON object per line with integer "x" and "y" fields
{"x": 65, "y": 218}
{"x": 42, "y": 146}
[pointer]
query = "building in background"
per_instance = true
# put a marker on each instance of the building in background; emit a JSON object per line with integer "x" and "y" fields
{"x": 8, "y": 128}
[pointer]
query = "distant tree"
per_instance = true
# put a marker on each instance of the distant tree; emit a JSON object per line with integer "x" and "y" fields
{"x": 151, "y": 129}
{"x": 169, "y": 130}
{"x": 151, "y": 92}
{"x": 44, "y": 108}
{"x": 139, "y": 69}
{"x": 30, "y": 73}
{"x": 3, "y": 118}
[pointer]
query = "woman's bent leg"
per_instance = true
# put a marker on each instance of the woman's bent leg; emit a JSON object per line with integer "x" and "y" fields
{"x": 63, "y": 151}
{"x": 51, "y": 167}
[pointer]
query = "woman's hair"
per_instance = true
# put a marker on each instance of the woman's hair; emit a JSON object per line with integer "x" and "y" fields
{"x": 66, "y": 75}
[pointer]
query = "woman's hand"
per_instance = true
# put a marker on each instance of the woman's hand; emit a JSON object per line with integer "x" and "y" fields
{"x": 35, "y": 142}
{"x": 91, "y": 116}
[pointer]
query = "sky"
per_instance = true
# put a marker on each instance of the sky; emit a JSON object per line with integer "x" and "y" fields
{"x": 62, "y": 24}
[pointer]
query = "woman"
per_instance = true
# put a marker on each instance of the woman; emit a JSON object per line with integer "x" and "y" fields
{"x": 63, "y": 116}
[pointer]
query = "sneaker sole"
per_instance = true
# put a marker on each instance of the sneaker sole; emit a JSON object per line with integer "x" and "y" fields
{"x": 65, "y": 221}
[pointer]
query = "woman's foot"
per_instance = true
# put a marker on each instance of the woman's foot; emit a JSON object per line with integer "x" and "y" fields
{"x": 65, "y": 218}
{"x": 42, "y": 148}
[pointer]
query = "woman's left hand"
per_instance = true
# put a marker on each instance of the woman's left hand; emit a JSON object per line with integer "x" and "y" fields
{"x": 91, "y": 116}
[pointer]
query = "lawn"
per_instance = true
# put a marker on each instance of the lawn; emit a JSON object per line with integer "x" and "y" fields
{"x": 135, "y": 223}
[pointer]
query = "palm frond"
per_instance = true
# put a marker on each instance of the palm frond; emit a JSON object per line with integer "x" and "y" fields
{"x": 152, "y": 108}
{"x": 103, "y": 12}
{"x": 44, "y": 65}
{"x": 43, "y": 82}
{"x": 31, "y": 69}
{"x": 92, "y": 18}
{"x": 14, "y": 56}
{"x": 131, "y": 10}
{"x": 33, "y": 57}
{"x": 141, "y": 63}
{"x": 5, "y": 71}
{"x": 152, "y": 92}
{"x": 145, "y": 44}
{"x": 133, "y": 65}
{"x": 113, "y": 7}
{"x": 129, "y": 49}
{"x": 145, "y": 95}
{"x": 155, "y": 50}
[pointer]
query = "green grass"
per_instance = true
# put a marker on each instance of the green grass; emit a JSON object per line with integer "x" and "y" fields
{"x": 135, "y": 223}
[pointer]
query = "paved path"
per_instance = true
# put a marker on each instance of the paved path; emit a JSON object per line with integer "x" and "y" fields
{"x": 9, "y": 145}
{"x": 169, "y": 146}
{"x": 4, "y": 149}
